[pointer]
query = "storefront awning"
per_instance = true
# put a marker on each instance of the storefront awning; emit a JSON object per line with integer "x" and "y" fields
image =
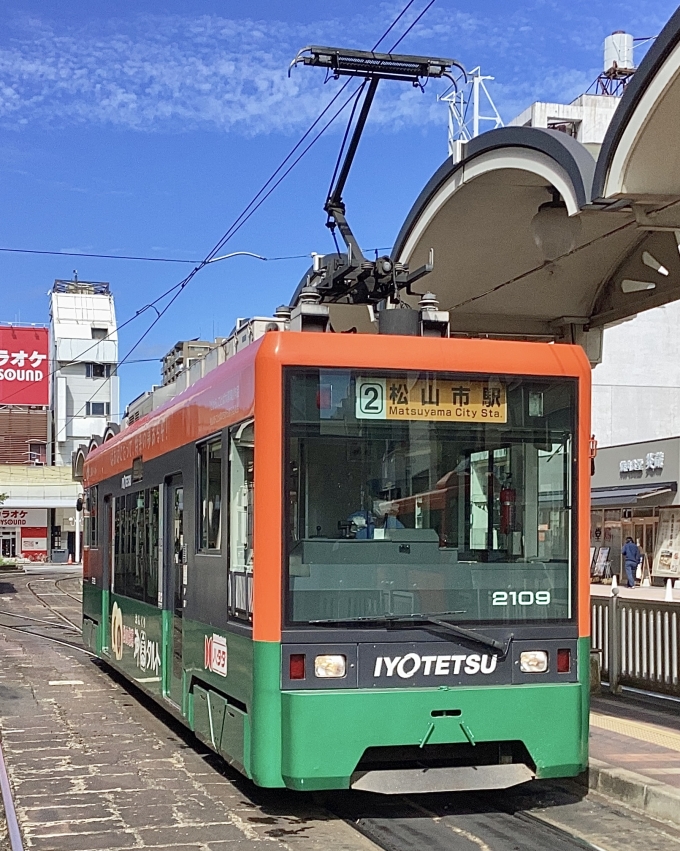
{"x": 38, "y": 487}
{"x": 630, "y": 494}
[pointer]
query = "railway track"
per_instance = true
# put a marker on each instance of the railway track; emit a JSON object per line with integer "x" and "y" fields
{"x": 58, "y": 631}
{"x": 544, "y": 816}
{"x": 460, "y": 822}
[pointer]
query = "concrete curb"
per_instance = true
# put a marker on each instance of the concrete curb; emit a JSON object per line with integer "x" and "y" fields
{"x": 645, "y": 794}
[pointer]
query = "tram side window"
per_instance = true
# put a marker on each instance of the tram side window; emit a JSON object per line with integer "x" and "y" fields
{"x": 136, "y": 545}
{"x": 94, "y": 496}
{"x": 90, "y": 518}
{"x": 210, "y": 496}
{"x": 241, "y": 468}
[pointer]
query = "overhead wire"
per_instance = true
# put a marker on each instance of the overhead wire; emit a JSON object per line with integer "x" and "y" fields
{"x": 146, "y": 259}
{"x": 268, "y": 188}
{"x": 246, "y": 214}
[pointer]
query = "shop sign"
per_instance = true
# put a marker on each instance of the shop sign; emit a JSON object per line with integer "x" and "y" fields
{"x": 667, "y": 553}
{"x": 652, "y": 461}
{"x": 443, "y": 400}
{"x": 34, "y": 545}
{"x": 18, "y": 517}
{"x": 23, "y": 366}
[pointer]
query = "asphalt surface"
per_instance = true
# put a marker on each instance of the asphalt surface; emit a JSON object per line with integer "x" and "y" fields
{"x": 96, "y": 765}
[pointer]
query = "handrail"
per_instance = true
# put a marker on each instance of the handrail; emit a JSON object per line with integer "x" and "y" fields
{"x": 639, "y": 643}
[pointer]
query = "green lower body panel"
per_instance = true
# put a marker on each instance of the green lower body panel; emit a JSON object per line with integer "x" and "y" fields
{"x": 326, "y": 733}
{"x": 315, "y": 739}
{"x": 220, "y": 725}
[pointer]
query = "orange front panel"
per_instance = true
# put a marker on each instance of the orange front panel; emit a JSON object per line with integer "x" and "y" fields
{"x": 583, "y": 517}
{"x": 268, "y": 529}
{"x": 279, "y": 350}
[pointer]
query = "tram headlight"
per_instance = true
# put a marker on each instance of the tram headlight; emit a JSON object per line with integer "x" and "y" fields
{"x": 533, "y": 662}
{"x": 330, "y": 666}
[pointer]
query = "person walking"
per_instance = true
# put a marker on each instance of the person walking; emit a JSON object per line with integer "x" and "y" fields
{"x": 631, "y": 559}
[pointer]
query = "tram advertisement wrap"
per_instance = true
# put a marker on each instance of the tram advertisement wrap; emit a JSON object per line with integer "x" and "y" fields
{"x": 24, "y": 366}
{"x": 444, "y": 400}
{"x": 136, "y": 640}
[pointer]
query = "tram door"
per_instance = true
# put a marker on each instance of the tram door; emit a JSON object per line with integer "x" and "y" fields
{"x": 177, "y": 555}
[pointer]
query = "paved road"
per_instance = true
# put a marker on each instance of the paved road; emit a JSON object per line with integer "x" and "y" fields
{"x": 95, "y": 766}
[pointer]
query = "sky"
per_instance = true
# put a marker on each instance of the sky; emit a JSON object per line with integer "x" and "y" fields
{"x": 131, "y": 129}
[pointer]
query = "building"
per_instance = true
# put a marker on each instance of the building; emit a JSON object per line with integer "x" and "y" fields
{"x": 634, "y": 490}
{"x": 84, "y": 394}
{"x": 181, "y": 356}
{"x": 24, "y": 394}
{"x": 58, "y": 387}
{"x": 39, "y": 520}
{"x": 587, "y": 118}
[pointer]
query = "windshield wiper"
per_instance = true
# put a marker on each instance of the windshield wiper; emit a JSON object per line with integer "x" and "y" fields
{"x": 388, "y": 617}
{"x": 434, "y": 618}
{"x": 471, "y": 635}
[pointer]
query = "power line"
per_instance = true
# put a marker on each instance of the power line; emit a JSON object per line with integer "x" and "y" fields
{"x": 146, "y": 259}
{"x": 256, "y": 202}
{"x": 249, "y": 210}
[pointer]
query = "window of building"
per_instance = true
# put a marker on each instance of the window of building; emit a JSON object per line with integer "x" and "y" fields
{"x": 136, "y": 529}
{"x": 210, "y": 495}
{"x": 97, "y": 409}
{"x": 100, "y": 333}
{"x": 97, "y": 370}
{"x": 37, "y": 453}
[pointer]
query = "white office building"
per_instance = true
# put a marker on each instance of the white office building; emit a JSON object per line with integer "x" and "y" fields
{"x": 84, "y": 395}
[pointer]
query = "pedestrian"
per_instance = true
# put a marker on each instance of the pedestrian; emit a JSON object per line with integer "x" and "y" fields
{"x": 631, "y": 559}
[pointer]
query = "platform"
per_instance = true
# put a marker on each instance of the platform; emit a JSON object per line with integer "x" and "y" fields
{"x": 635, "y": 752}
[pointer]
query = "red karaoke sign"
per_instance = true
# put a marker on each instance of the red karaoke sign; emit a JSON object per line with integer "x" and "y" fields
{"x": 24, "y": 366}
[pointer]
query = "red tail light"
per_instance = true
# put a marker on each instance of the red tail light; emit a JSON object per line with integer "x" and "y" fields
{"x": 563, "y": 661}
{"x": 297, "y": 666}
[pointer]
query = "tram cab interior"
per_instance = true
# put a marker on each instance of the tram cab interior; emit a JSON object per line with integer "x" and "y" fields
{"x": 427, "y": 516}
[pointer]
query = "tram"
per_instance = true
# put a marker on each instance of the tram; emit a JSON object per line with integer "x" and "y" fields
{"x": 357, "y": 560}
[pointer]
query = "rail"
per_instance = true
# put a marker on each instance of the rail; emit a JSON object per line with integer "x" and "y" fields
{"x": 13, "y": 831}
{"x": 638, "y": 643}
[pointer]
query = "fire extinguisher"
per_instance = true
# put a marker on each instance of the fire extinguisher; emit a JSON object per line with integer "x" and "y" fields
{"x": 508, "y": 500}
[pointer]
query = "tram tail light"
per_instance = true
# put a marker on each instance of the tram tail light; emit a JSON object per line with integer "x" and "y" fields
{"x": 331, "y": 666}
{"x": 533, "y": 661}
{"x": 563, "y": 661}
{"x": 297, "y": 666}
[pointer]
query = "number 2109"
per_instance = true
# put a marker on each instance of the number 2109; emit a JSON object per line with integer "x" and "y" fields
{"x": 520, "y": 598}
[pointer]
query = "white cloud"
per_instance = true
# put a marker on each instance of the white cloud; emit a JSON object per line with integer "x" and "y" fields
{"x": 175, "y": 73}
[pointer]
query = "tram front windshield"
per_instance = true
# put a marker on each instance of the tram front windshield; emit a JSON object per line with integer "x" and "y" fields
{"x": 429, "y": 494}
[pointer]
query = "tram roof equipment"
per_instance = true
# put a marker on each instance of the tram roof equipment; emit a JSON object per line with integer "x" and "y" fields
{"x": 350, "y": 276}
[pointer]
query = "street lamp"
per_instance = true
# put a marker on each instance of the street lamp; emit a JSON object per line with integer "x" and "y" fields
{"x": 236, "y": 254}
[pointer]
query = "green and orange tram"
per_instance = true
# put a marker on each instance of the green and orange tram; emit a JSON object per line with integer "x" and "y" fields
{"x": 357, "y": 560}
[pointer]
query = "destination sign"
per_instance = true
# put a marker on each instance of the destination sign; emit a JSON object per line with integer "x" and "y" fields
{"x": 445, "y": 400}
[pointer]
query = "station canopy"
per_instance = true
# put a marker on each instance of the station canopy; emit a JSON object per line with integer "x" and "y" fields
{"x": 608, "y": 229}
{"x": 535, "y": 238}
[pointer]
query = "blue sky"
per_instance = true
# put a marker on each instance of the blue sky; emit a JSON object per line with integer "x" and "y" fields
{"x": 130, "y": 129}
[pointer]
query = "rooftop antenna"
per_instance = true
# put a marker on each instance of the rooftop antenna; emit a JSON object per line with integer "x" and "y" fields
{"x": 352, "y": 277}
{"x": 462, "y": 126}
